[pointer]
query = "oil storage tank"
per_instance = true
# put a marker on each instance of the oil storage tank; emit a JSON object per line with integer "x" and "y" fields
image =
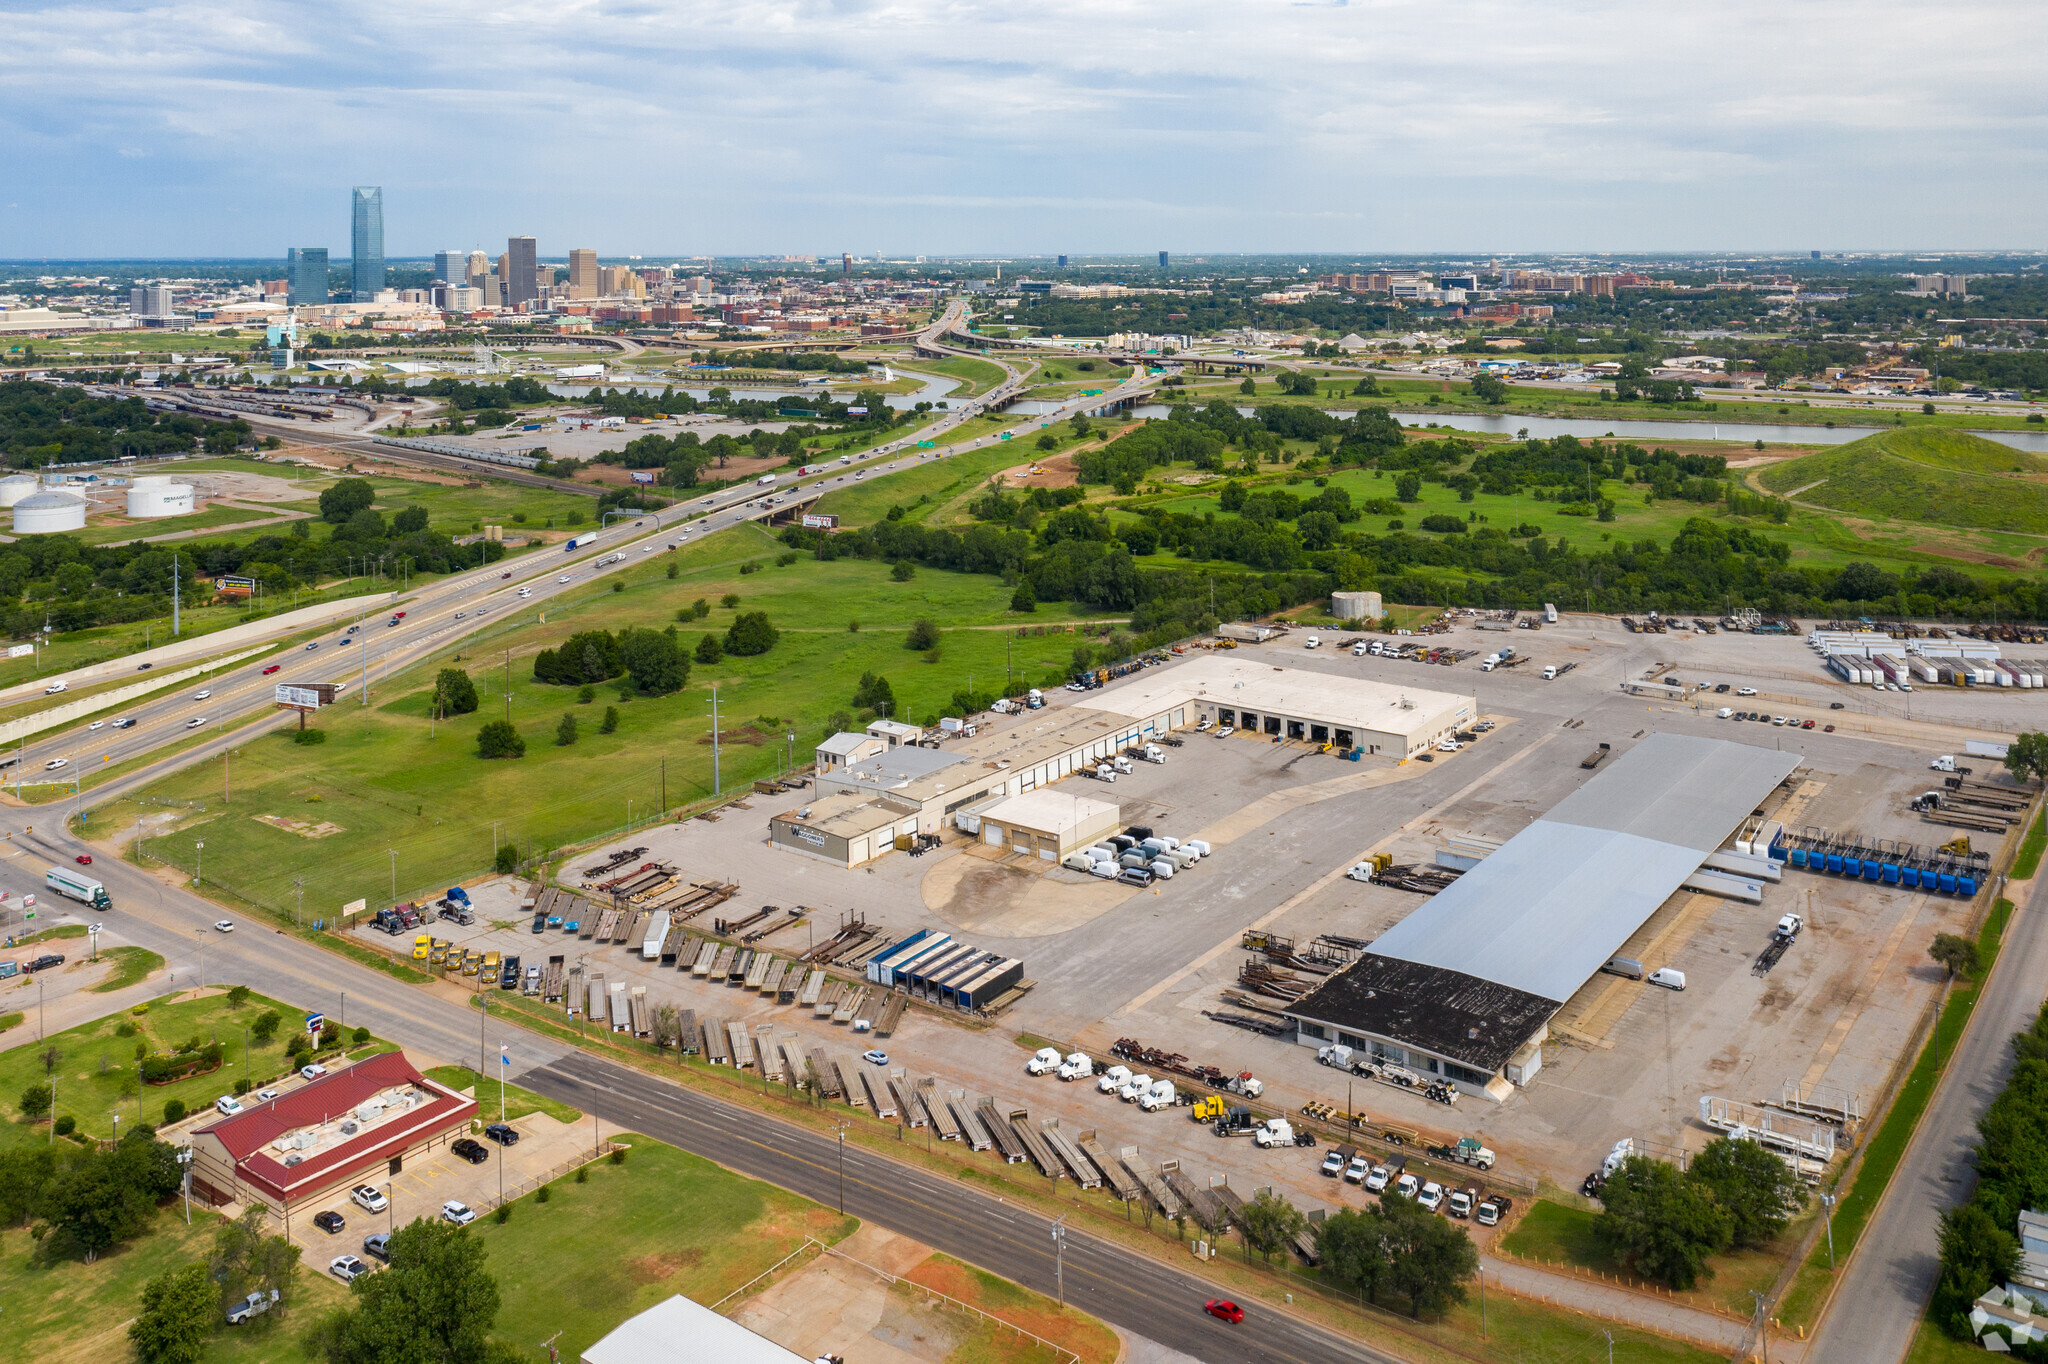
{"x": 14, "y": 487}
{"x": 48, "y": 513}
{"x": 154, "y": 495}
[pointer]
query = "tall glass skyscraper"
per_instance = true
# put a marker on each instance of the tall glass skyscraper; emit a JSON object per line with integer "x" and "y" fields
{"x": 523, "y": 263}
{"x": 366, "y": 242}
{"x": 306, "y": 271}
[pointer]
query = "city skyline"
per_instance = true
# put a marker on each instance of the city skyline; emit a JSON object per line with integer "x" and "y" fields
{"x": 1396, "y": 128}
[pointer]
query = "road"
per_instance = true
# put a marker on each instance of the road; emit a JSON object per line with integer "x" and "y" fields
{"x": 1131, "y": 1291}
{"x": 1878, "y": 1304}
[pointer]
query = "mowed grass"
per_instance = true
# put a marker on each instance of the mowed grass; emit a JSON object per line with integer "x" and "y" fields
{"x": 924, "y": 487}
{"x": 664, "y": 1222}
{"x": 1559, "y": 1234}
{"x": 392, "y": 779}
{"x": 1066, "y": 1328}
{"x": 517, "y": 1102}
{"x": 132, "y": 966}
{"x": 1948, "y": 478}
{"x": 96, "y": 1066}
{"x": 212, "y": 518}
{"x": 976, "y": 376}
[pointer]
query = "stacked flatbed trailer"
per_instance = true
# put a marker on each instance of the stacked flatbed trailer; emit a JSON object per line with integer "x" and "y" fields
{"x": 757, "y": 971}
{"x": 716, "y": 1043}
{"x": 891, "y": 1015}
{"x": 1154, "y": 1187}
{"x": 825, "y": 1073}
{"x": 1121, "y": 1182}
{"x": 814, "y": 987}
{"x": 1083, "y": 1169}
{"x": 907, "y": 1101}
{"x": 1002, "y": 1131}
{"x": 770, "y": 983}
{"x": 1035, "y": 1145}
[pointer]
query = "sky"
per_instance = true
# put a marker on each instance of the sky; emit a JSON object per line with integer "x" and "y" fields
{"x": 937, "y": 127}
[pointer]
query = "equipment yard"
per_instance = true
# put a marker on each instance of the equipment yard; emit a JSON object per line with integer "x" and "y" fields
{"x": 1202, "y": 966}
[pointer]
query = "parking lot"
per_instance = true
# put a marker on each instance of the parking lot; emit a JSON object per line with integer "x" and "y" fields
{"x": 1286, "y": 821}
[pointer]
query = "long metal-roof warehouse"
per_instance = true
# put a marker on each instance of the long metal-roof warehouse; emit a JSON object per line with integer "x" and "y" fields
{"x": 1465, "y": 986}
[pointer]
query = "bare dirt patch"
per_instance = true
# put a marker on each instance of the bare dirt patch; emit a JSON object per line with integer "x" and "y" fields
{"x": 302, "y": 828}
{"x": 655, "y": 1268}
{"x": 1054, "y": 471}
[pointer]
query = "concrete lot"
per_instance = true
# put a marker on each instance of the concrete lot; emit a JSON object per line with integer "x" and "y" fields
{"x": 1625, "y": 1060}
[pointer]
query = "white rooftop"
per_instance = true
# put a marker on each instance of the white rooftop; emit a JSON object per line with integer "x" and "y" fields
{"x": 1265, "y": 688}
{"x": 679, "y": 1331}
{"x": 1050, "y": 810}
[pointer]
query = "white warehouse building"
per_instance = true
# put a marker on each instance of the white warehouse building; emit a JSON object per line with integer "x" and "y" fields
{"x": 155, "y": 495}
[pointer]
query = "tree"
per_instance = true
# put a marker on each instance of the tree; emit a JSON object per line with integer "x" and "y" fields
{"x": 497, "y": 739}
{"x": 454, "y": 692}
{"x": 873, "y": 692}
{"x": 751, "y": 634}
{"x": 434, "y": 1302}
{"x": 246, "y": 1260}
{"x": 902, "y": 571}
{"x": 1024, "y": 599}
{"x": 1408, "y": 487}
{"x": 265, "y": 1027}
{"x": 565, "y": 733}
{"x": 347, "y": 497}
{"x": 1488, "y": 388}
{"x": 507, "y": 860}
{"x": 1957, "y": 953}
{"x": 103, "y": 1198}
{"x": 1429, "y": 1258}
{"x": 728, "y": 601}
{"x": 2026, "y": 757}
{"x": 922, "y": 635}
{"x": 1660, "y": 1223}
{"x": 1353, "y": 1248}
{"x": 1757, "y": 1190}
{"x": 1269, "y": 1222}
{"x": 709, "y": 650}
{"x": 1976, "y": 1253}
{"x": 409, "y": 520}
{"x": 610, "y": 723}
{"x": 177, "y": 1317}
{"x": 35, "y": 1101}
{"x": 654, "y": 661}
{"x": 1248, "y": 388}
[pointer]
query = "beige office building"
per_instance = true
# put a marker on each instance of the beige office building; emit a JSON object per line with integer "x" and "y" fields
{"x": 583, "y": 280}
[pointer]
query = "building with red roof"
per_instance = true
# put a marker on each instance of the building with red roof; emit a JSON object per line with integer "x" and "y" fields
{"x": 358, "y": 1125}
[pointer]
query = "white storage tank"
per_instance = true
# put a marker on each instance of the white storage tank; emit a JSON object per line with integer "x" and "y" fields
{"x": 49, "y": 512}
{"x": 155, "y": 495}
{"x": 14, "y": 487}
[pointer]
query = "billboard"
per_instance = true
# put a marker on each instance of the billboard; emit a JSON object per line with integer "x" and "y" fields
{"x": 232, "y": 585}
{"x": 821, "y": 521}
{"x": 300, "y": 698}
{"x": 643, "y": 475}
{"x": 20, "y": 650}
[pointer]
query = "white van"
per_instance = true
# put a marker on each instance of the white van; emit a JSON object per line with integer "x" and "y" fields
{"x": 1312, "y": 642}
{"x": 1668, "y": 978}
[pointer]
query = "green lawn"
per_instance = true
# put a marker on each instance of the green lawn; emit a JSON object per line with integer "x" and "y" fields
{"x": 96, "y": 1065}
{"x": 517, "y": 1102}
{"x": 664, "y": 1222}
{"x": 866, "y": 502}
{"x": 212, "y": 518}
{"x": 976, "y": 376}
{"x": 1556, "y": 1233}
{"x": 392, "y": 779}
{"x": 132, "y": 966}
{"x": 1948, "y": 478}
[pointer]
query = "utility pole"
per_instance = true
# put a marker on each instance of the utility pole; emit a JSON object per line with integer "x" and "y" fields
{"x": 716, "y": 788}
{"x": 1059, "y": 1257}
{"x": 174, "y": 593}
{"x": 299, "y": 887}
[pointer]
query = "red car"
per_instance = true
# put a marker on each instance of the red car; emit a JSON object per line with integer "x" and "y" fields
{"x": 1223, "y": 1309}
{"x": 85, "y": 859}
{"x": 272, "y": 668}
{"x": 1807, "y": 725}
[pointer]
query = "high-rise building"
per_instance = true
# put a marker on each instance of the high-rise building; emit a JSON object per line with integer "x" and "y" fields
{"x": 1063, "y": 262}
{"x": 152, "y": 300}
{"x": 366, "y": 243}
{"x": 845, "y": 262}
{"x": 450, "y": 267}
{"x": 583, "y": 282}
{"x": 1162, "y": 260}
{"x": 479, "y": 266}
{"x": 520, "y": 261}
{"x": 306, "y": 267}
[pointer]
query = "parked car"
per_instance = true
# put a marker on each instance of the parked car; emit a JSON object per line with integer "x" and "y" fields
{"x": 228, "y": 1104}
{"x": 875, "y": 1057}
{"x": 367, "y": 1198}
{"x": 378, "y": 1247}
{"x": 458, "y": 1212}
{"x": 347, "y": 1268}
{"x": 312, "y": 1072}
{"x": 329, "y": 1221}
{"x": 264, "y": 1096}
{"x": 503, "y": 1133}
{"x": 470, "y": 1150}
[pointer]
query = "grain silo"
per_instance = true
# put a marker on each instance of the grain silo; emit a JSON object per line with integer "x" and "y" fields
{"x": 154, "y": 495}
{"x": 48, "y": 513}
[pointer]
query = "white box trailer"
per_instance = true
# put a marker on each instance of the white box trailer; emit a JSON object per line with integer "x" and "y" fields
{"x": 72, "y": 886}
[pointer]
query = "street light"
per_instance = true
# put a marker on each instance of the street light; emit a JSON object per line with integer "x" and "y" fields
{"x": 199, "y": 867}
{"x": 840, "y": 1128}
{"x": 1827, "y": 1203}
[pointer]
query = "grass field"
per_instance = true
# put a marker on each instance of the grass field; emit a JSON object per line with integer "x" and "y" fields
{"x": 132, "y": 966}
{"x": 922, "y": 488}
{"x": 976, "y": 376}
{"x": 517, "y": 1102}
{"x": 1949, "y": 478}
{"x": 1087, "y": 1338}
{"x": 96, "y": 1065}
{"x": 392, "y": 779}
{"x": 213, "y": 518}
{"x": 1555, "y": 1233}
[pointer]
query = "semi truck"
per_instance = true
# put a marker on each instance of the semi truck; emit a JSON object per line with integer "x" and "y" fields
{"x": 72, "y": 886}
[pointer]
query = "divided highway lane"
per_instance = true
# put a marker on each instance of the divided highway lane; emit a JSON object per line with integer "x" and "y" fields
{"x": 1132, "y": 1291}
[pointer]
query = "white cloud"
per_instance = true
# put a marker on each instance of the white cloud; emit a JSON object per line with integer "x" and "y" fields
{"x": 958, "y": 125}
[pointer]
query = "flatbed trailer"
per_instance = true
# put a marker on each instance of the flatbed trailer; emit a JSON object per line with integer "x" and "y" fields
{"x": 707, "y": 956}
{"x": 721, "y": 963}
{"x": 689, "y": 1040}
{"x": 736, "y": 970}
{"x": 736, "y": 1035}
{"x": 891, "y": 1015}
{"x": 850, "y": 1005}
{"x": 814, "y": 987}
{"x": 828, "y": 999}
{"x": 551, "y": 979}
{"x": 1000, "y": 1129}
{"x": 716, "y": 1044}
{"x": 880, "y": 1100}
{"x": 795, "y": 1066}
{"x": 1078, "y": 1165}
{"x": 826, "y": 1073}
{"x": 769, "y": 980}
{"x": 1226, "y": 1197}
{"x": 586, "y": 926}
{"x": 1304, "y": 1241}
{"x": 672, "y": 944}
{"x": 1155, "y": 1188}
{"x": 642, "y": 1013}
{"x": 1035, "y": 1145}
{"x": 908, "y": 1106}
{"x": 939, "y": 1111}
{"x": 1207, "y": 1209}
{"x": 767, "y": 1055}
{"x": 971, "y": 1130}
{"x": 849, "y": 1082}
{"x": 1121, "y": 1183}
{"x": 594, "y": 1000}
{"x": 607, "y": 924}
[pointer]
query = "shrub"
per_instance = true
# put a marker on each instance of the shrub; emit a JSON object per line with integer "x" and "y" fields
{"x": 618, "y": 1156}
{"x": 309, "y": 736}
{"x": 35, "y": 1101}
{"x": 674, "y": 568}
{"x": 750, "y": 566}
{"x": 126, "y": 1029}
{"x": 785, "y": 560}
{"x": 497, "y": 739}
{"x": 265, "y": 1027}
{"x": 586, "y": 694}
{"x": 751, "y": 634}
{"x": 902, "y": 571}
{"x": 242, "y": 1085}
{"x": 728, "y": 601}
{"x": 503, "y": 1214}
{"x": 66, "y": 1125}
{"x": 359, "y": 1037}
{"x": 701, "y": 608}
{"x": 454, "y": 692}
{"x": 610, "y": 723}
{"x": 507, "y": 860}
{"x": 923, "y": 635}
{"x": 565, "y": 732}
{"x": 709, "y": 650}
{"x": 582, "y": 1174}
{"x": 544, "y": 1193}
{"x": 174, "y": 1109}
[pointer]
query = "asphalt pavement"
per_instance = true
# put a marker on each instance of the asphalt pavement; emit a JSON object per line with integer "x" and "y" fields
{"x": 1134, "y": 1292}
{"x": 1878, "y": 1304}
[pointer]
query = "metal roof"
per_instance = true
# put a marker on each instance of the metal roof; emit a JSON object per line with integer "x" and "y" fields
{"x": 1302, "y": 693}
{"x": 1544, "y": 913}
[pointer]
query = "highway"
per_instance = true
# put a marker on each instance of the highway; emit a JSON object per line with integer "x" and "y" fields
{"x": 438, "y": 617}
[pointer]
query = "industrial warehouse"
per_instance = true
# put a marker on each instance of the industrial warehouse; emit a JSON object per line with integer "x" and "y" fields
{"x": 1464, "y": 987}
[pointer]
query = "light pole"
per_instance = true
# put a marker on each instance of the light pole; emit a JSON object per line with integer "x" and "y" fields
{"x": 840, "y": 1128}
{"x": 199, "y": 867}
{"x": 1610, "y": 1346}
{"x": 1827, "y": 1204}
{"x": 185, "y": 1179}
{"x": 1059, "y": 1257}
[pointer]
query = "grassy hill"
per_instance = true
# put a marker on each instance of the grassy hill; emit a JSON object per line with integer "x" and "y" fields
{"x": 1943, "y": 478}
